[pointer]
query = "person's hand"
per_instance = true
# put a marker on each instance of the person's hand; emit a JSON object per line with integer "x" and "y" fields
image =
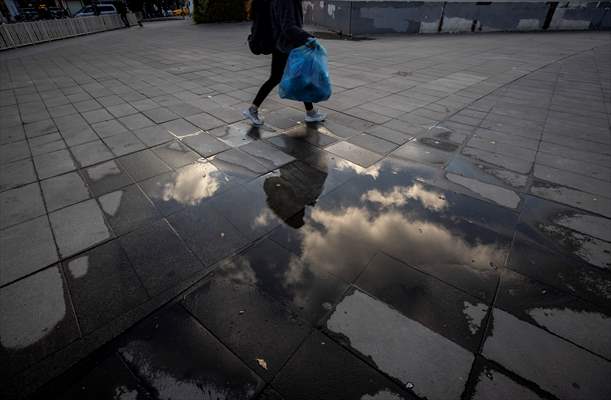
{"x": 311, "y": 43}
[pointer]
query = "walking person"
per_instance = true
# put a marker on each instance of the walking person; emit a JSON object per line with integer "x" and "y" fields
{"x": 122, "y": 10}
{"x": 137, "y": 6}
{"x": 277, "y": 29}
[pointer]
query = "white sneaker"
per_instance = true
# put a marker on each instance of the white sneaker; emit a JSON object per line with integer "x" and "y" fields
{"x": 253, "y": 117}
{"x": 315, "y": 116}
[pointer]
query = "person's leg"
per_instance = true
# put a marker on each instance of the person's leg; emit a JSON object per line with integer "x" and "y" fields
{"x": 278, "y": 64}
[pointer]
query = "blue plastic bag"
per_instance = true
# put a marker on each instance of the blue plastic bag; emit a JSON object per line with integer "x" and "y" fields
{"x": 306, "y": 76}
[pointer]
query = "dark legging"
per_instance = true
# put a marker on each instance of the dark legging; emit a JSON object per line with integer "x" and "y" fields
{"x": 279, "y": 60}
{"x": 125, "y": 20}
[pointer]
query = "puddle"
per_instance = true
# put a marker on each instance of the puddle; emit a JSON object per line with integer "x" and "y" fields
{"x": 400, "y": 195}
{"x": 79, "y": 266}
{"x": 111, "y": 202}
{"x": 104, "y": 170}
{"x": 486, "y": 173}
{"x": 191, "y": 184}
{"x": 438, "y": 144}
{"x": 475, "y": 314}
{"x": 491, "y": 382}
{"x": 178, "y": 359}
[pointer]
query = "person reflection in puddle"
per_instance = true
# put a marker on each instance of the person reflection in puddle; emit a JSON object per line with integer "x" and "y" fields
{"x": 295, "y": 186}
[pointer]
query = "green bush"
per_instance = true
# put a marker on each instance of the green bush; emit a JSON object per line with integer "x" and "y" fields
{"x": 219, "y": 10}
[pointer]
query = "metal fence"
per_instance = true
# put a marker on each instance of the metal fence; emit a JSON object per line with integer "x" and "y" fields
{"x": 27, "y": 33}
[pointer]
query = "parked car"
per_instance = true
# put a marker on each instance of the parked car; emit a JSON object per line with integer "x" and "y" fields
{"x": 56, "y": 12}
{"x": 28, "y": 14}
{"x": 105, "y": 9}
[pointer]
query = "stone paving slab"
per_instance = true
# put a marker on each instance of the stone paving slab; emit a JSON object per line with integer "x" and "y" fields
{"x": 446, "y": 234}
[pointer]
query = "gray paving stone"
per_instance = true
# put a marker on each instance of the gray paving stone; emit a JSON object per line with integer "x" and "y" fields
{"x": 552, "y": 363}
{"x": 180, "y": 128}
{"x": 111, "y": 100}
{"x": 514, "y": 164}
{"x": 46, "y": 143}
{"x": 491, "y": 383}
{"x": 26, "y": 248}
{"x": 373, "y": 143}
{"x": 160, "y": 258}
{"x": 103, "y": 285}
{"x": 121, "y": 110}
{"x": 266, "y": 154}
{"x": 184, "y": 109}
{"x": 79, "y": 227}
{"x": 143, "y": 165}
{"x": 160, "y": 115}
{"x": 368, "y": 115}
{"x": 64, "y": 190}
{"x": 136, "y": 121}
{"x": 153, "y": 135}
{"x": 74, "y": 137}
{"x": 340, "y": 130}
{"x": 124, "y": 143}
{"x": 14, "y": 151}
{"x": 39, "y": 128}
{"x": 573, "y": 180}
{"x": 97, "y": 116}
{"x": 235, "y": 135}
{"x": 574, "y": 154}
{"x": 408, "y": 359}
{"x": 502, "y": 148}
{"x": 576, "y": 198}
{"x": 206, "y": 145}
{"x": 144, "y": 105}
{"x": 87, "y": 105}
{"x": 11, "y": 134}
{"x": 496, "y": 194}
{"x": 20, "y": 204}
{"x": 108, "y": 128}
{"x": 487, "y": 173}
{"x": 492, "y": 136}
{"x": 389, "y": 134}
{"x": 106, "y": 177}
{"x": 357, "y": 155}
{"x": 16, "y": 174}
{"x": 176, "y": 154}
{"x": 91, "y": 153}
{"x": 127, "y": 208}
{"x": 39, "y": 306}
{"x": 420, "y": 153}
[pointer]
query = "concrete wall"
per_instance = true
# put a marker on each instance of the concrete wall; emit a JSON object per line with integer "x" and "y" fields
{"x": 403, "y": 16}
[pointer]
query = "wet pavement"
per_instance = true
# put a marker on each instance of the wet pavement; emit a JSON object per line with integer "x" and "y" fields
{"x": 446, "y": 234}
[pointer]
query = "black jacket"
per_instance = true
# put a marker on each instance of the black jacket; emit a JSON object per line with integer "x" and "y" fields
{"x": 287, "y": 25}
{"x": 277, "y": 25}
